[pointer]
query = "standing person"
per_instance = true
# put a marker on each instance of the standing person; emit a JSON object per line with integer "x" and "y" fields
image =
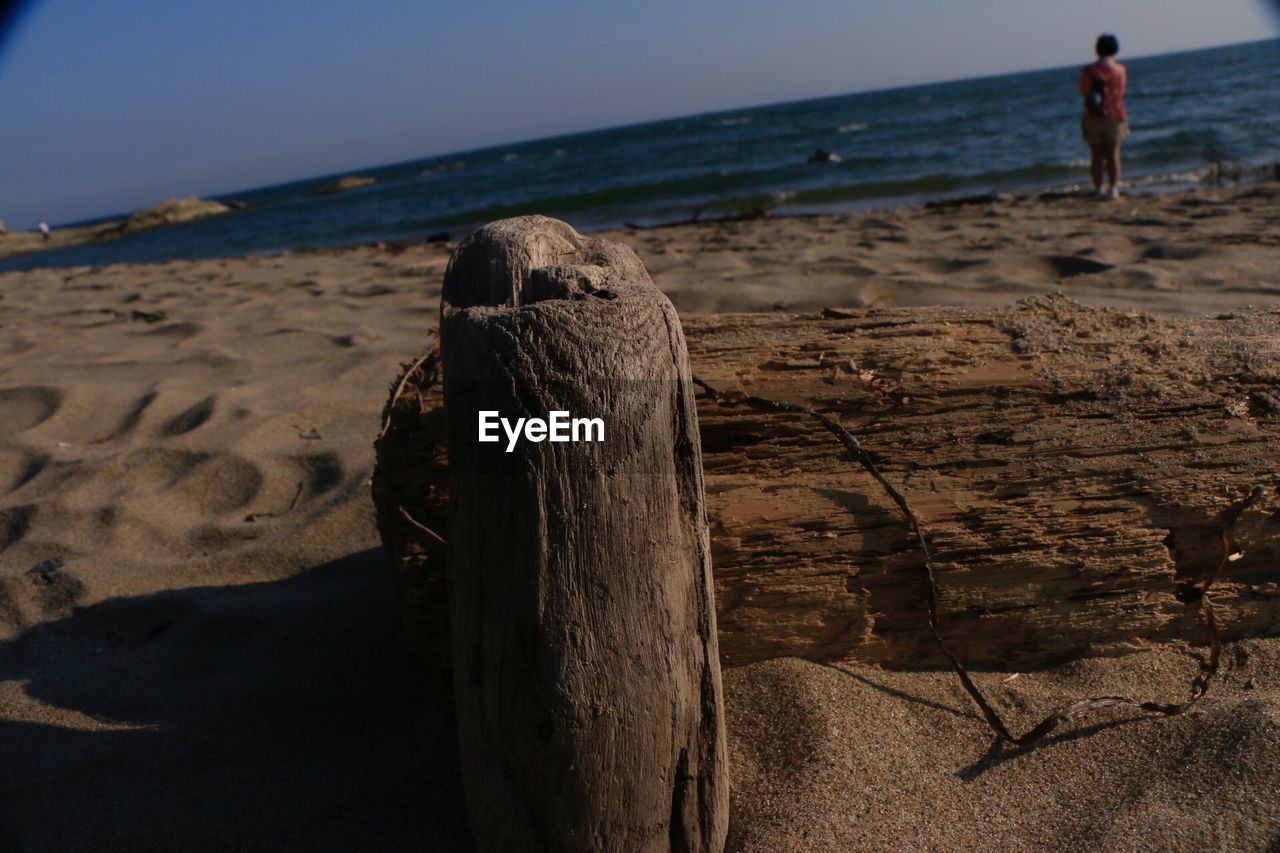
{"x": 44, "y": 228}
{"x": 1105, "y": 123}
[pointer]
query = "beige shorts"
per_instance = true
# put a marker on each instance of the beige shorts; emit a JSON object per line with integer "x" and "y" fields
{"x": 1103, "y": 131}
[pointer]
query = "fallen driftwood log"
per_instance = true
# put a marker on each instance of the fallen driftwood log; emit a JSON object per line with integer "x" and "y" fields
{"x": 1071, "y": 468}
{"x": 587, "y": 677}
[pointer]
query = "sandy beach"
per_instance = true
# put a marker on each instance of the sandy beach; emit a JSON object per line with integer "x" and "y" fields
{"x": 197, "y": 645}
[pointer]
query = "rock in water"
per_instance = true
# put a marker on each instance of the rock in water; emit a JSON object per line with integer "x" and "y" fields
{"x": 346, "y": 182}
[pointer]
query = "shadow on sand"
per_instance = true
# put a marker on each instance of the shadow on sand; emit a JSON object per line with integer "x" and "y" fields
{"x": 270, "y": 716}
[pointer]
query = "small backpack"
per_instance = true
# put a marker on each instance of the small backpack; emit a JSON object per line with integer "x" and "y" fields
{"x": 1095, "y": 101}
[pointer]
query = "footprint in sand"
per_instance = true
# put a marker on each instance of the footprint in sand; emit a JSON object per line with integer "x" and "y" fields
{"x": 15, "y": 523}
{"x": 1069, "y": 266}
{"x": 219, "y": 484}
{"x": 168, "y": 501}
{"x": 47, "y": 588}
{"x": 949, "y": 266}
{"x": 1175, "y": 252}
{"x": 131, "y": 419}
{"x": 149, "y": 468}
{"x": 169, "y": 483}
{"x": 1140, "y": 278}
{"x": 23, "y": 408}
{"x": 134, "y": 414}
{"x": 320, "y": 472}
{"x": 181, "y": 331}
{"x": 190, "y": 419}
{"x": 17, "y": 468}
{"x": 235, "y": 483}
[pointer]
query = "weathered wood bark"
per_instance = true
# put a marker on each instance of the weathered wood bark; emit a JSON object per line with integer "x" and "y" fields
{"x": 1070, "y": 465}
{"x": 586, "y": 670}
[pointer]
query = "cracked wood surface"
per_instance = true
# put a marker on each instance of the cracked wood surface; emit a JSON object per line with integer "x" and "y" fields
{"x": 587, "y": 677}
{"x": 1070, "y": 465}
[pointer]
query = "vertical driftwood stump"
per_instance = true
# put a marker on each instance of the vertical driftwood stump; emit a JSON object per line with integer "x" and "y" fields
{"x": 585, "y": 658}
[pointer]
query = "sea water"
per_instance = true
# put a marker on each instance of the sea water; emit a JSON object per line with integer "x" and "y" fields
{"x": 1189, "y": 112}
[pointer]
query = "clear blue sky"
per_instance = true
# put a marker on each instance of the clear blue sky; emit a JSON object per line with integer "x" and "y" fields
{"x": 109, "y": 106}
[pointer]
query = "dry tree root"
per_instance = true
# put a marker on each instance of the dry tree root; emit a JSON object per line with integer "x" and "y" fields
{"x": 436, "y": 538}
{"x": 1199, "y": 686}
{"x": 297, "y": 493}
{"x": 429, "y": 365}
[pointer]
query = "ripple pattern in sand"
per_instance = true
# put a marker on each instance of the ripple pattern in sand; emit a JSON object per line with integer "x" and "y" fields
{"x": 179, "y": 422}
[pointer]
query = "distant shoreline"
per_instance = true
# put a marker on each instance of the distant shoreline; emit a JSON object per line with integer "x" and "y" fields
{"x": 174, "y": 211}
{"x": 29, "y": 245}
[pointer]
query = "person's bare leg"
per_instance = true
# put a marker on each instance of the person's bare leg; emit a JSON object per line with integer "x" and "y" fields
{"x": 1096, "y": 157}
{"x": 1112, "y": 155}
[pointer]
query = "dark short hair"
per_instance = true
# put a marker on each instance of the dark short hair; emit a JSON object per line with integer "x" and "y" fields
{"x": 1107, "y": 45}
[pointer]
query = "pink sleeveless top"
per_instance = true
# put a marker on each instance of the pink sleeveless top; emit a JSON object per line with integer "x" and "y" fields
{"x": 1113, "y": 77}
